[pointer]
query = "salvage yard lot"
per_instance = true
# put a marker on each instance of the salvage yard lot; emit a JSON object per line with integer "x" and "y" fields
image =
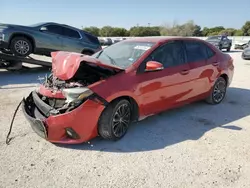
{"x": 198, "y": 145}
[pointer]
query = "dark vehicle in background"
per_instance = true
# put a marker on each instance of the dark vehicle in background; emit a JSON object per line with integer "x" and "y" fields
{"x": 246, "y": 53}
{"x": 44, "y": 38}
{"x": 104, "y": 41}
{"x": 220, "y": 41}
{"x": 242, "y": 46}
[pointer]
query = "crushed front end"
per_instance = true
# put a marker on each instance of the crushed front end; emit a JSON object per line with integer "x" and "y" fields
{"x": 63, "y": 124}
{"x": 64, "y": 109}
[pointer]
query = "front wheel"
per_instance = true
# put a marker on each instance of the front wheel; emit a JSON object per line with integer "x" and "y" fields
{"x": 115, "y": 120}
{"x": 21, "y": 46}
{"x": 228, "y": 49}
{"x": 218, "y": 91}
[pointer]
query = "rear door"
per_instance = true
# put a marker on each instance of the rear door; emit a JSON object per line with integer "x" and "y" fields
{"x": 71, "y": 40}
{"x": 200, "y": 70}
{"x": 161, "y": 90}
{"x": 51, "y": 39}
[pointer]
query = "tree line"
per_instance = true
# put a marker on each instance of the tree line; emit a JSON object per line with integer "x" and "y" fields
{"x": 187, "y": 29}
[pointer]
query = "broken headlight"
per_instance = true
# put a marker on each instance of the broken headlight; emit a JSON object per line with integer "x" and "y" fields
{"x": 75, "y": 96}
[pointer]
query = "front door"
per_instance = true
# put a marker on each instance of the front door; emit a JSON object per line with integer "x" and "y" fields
{"x": 164, "y": 89}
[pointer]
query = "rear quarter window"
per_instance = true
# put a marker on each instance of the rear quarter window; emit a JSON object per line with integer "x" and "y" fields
{"x": 91, "y": 38}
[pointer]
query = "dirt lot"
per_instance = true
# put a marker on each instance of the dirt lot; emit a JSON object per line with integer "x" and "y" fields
{"x": 195, "y": 146}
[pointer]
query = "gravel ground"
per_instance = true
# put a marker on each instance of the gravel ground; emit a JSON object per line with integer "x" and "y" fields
{"x": 198, "y": 145}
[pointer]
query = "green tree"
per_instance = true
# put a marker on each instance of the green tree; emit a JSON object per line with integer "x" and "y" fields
{"x": 246, "y": 28}
{"x": 119, "y": 32}
{"x": 228, "y": 31}
{"x": 238, "y": 32}
{"x": 144, "y": 31}
{"x": 93, "y": 30}
{"x": 205, "y": 31}
{"x": 212, "y": 31}
{"x": 106, "y": 31}
{"x": 197, "y": 31}
{"x": 187, "y": 29}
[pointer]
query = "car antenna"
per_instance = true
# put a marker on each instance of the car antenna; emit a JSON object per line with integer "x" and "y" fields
{"x": 8, "y": 139}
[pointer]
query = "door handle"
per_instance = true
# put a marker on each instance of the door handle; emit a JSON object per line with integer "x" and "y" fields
{"x": 184, "y": 72}
{"x": 215, "y": 64}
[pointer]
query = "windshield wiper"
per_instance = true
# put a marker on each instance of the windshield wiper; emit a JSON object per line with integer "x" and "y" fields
{"x": 99, "y": 54}
{"x": 111, "y": 59}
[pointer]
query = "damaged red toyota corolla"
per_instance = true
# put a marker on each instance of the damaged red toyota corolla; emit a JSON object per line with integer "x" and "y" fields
{"x": 102, "y": 94}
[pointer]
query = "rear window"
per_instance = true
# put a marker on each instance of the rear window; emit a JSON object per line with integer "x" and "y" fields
{"x": 92, "y": 38}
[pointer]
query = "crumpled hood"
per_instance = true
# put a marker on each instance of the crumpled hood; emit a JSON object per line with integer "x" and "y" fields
{"x": 66, "y": 64}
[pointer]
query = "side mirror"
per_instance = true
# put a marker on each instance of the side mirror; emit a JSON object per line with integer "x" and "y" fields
{"x": 153, "y": 66}
{"x": 43, "y": 28}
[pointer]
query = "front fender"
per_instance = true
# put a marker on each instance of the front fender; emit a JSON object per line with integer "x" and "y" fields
{"x": 24, "y": 34}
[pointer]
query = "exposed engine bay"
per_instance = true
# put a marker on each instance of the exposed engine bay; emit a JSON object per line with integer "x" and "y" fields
{"x": 87, "y": 74}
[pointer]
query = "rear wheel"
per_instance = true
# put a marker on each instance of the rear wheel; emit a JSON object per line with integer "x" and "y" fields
{"x": 218, "y": 91}
{"x": 115, "y": 120}
{"x": 21, "y": 46}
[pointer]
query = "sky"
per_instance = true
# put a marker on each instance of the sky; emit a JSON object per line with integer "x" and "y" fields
{"x": 126, "y": 13}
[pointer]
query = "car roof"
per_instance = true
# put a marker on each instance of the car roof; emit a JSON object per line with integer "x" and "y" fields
{"x": 160, "y": 39}
{"x": 65, "y": 25}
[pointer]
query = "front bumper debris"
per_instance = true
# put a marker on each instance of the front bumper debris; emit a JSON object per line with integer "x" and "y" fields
{"x": 32, "y": 113}
{"x": 76, "y": 126}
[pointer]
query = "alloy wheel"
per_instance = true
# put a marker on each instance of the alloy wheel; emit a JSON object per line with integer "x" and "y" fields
{"x": 121, "y": 120}
{"x": 219, "y": 91}
{"x": 22, "y": 47}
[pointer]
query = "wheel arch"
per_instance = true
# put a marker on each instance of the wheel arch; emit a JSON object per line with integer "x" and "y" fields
{"x": 134, "y": 104}
{"x": 29, "y": 37}
{"x": 225, "y": 76}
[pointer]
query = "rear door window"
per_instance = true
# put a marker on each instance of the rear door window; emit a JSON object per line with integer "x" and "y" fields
{"x": 196, "y": 51}
{"x": 71, "y": 33}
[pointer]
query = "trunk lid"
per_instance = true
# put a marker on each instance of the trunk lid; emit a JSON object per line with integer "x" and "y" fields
{"x": 66, "y": 64}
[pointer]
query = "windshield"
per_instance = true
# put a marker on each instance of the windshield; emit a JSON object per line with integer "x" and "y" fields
{"x": 214, "y": 38}
{"x": 123, "y": 54}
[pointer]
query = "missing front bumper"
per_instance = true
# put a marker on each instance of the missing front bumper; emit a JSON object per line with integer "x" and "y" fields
{"x": 34, "y": 117}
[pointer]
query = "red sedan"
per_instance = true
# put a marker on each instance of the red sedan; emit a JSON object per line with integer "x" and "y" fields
{"x": 102, "y": 94}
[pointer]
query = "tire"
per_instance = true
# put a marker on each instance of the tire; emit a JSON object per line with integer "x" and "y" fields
{"x": 106, "y": 125}
{"x": 221, "y": 86}
{"x": 228, "y": 49}
{"x": 21, "y": 46}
